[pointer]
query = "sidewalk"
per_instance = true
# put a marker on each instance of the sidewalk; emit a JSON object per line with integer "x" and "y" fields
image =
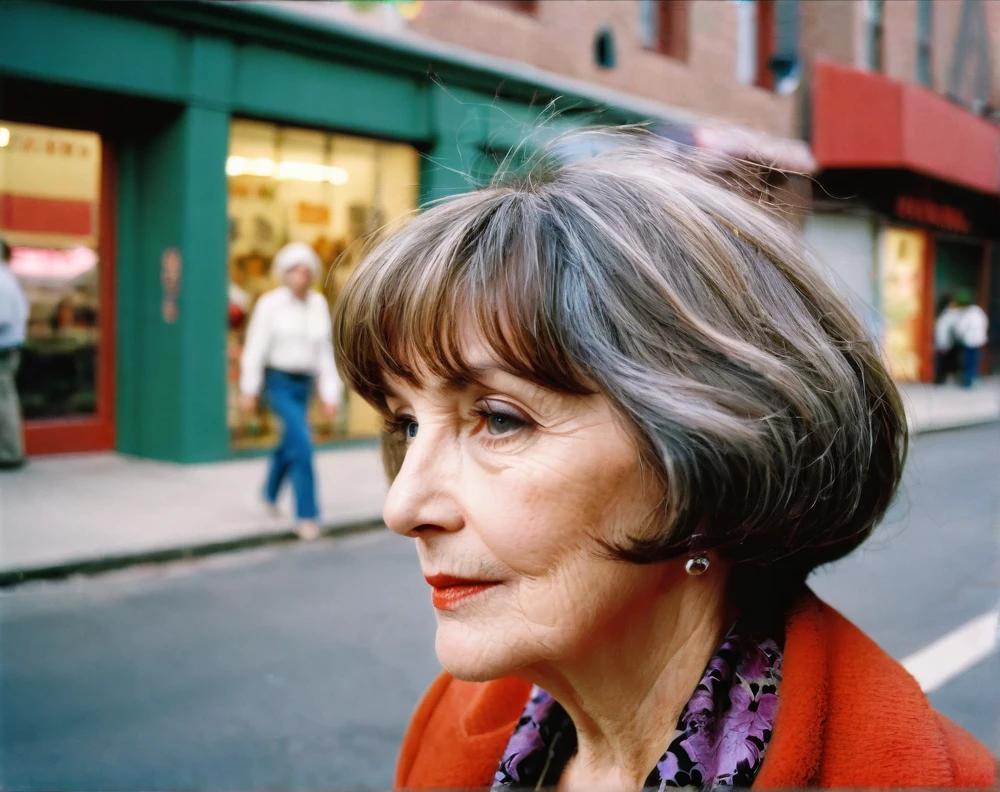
{"x": 96, "y": 511}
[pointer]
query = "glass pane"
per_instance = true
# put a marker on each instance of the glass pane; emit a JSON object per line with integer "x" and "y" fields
{"x": 330, "y": 191}
{"x": 49, "y": 215}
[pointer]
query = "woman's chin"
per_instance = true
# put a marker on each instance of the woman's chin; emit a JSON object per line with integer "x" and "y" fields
{"x": 472, "y": 657}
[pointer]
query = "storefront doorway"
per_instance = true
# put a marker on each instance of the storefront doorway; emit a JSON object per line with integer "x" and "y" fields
{"x": 958, "y": 268}
{"x": 334, "y": 192}
{"x": 56, "y": 213}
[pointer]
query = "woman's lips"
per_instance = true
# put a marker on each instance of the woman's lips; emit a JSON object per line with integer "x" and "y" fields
{"x": 449, "y": 591}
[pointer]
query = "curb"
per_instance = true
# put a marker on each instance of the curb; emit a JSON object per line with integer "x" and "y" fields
{"x": 947, "y": 426}
{"x": 98, "y": 566}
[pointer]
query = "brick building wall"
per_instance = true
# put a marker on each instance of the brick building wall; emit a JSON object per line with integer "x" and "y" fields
{"x": 559, "y": 37}
{"x": 836, "y": 30}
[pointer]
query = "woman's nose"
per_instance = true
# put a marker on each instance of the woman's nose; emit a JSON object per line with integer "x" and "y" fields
{"x": 422, "y": 496}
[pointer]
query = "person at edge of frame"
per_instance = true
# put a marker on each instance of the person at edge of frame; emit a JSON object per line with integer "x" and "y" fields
{"x": 627, "y": 417}
{"x": 14, "y": 312}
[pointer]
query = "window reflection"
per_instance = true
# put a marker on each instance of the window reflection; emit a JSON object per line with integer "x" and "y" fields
{"x": 49, "y": 202}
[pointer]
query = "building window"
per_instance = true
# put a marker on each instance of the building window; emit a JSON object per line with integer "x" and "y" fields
{"x": 874, "y": 12}
{"x": 755, "y": 46}
{"x": 334, "y": 192}
{"x": 969, "y": 73}
{"x": 663, "y": 27}
{"x": 521, "y": 6}
{"x": 925, "y": 24}
{"x": 604, "y": 48}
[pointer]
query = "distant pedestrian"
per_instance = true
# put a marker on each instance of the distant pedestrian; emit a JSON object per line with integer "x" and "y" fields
{"x": 945, "y": 343}
{"x": 288, "y": 349}
{"x": 13, "y": 324}
{"x": 971, "y": 330}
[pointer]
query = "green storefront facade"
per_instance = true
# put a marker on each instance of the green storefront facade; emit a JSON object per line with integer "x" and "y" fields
{"x": 161, "y": 85}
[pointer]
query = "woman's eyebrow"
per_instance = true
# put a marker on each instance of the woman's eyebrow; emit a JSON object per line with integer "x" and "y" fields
{"x": 459, "y": 380}
{"x": 474, "y": 375}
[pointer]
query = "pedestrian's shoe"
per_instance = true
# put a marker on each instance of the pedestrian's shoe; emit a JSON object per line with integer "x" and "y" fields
{"x": 13, "y": 464}
{"x": 307, "y": 530}
{"x": 272, "y": 510}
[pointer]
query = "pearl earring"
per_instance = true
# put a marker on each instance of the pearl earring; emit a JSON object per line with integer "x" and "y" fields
{"x": 697, "y": 565}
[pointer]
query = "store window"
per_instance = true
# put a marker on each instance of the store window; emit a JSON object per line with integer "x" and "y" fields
{"x": 50, "y": 187}
{"x": 333, "y": 192}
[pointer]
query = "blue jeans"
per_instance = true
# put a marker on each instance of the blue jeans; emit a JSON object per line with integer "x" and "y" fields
{"x": 288, "y": 396}
{"x": 970, "y": 364}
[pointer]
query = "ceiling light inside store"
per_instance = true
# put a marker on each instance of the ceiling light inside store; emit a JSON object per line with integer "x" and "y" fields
{"x": 310, "y": 171}
{"x": 286, "y": 169}
{"x": 4, "y": 137}
{"x": 249, "y": 166}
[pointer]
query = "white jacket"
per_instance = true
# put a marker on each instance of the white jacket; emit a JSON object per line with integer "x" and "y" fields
{"x": 944, "y": 329}
{"x": 972, "y": 326}
{"x": 291, "y": 335}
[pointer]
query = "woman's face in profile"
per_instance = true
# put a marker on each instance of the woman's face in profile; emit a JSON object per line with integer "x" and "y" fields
{"x": 507, "y": 488}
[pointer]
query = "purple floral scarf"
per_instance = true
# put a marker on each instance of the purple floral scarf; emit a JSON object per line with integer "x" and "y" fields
{"x": 721, "y": 734}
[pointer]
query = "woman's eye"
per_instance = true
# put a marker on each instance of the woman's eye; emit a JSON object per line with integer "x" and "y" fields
{"x": 501, "y": 423}
{"x": 497, "y": 423}
{"x": 402, "y": 426}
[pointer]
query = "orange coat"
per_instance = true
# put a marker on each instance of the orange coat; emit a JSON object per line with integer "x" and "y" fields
{"x": 849, "y": 716}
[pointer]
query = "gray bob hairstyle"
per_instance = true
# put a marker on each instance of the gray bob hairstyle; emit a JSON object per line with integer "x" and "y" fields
{"x": 775, "y": 432}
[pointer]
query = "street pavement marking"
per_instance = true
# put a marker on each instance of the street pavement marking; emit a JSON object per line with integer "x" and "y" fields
{"x": 954, "y": 653}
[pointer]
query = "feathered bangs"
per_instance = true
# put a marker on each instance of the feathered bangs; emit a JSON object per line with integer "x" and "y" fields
{"x": 475, "y": 267}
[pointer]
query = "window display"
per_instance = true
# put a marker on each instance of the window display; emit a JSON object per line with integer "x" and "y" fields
{"x": 50, "y": 183}
{"x": 902, "y": 301}
{"x": 333, "y": 192}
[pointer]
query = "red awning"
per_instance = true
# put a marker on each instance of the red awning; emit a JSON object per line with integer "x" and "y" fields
{"x": 866, "y": 120}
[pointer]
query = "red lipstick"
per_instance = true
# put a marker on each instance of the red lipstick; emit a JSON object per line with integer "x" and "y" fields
{"x": 449, "y": 591}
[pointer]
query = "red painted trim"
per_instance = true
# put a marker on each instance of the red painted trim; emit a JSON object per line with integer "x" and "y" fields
{"x": 927, "y": 310}
{"x": 985, "y": 267}
{"x": 765, "y": 44}
{"x": 865, "y": 120}
{"x": 97, "y": 432}
{"x": 672, "y": 30}
{"x": 31, "y": 214}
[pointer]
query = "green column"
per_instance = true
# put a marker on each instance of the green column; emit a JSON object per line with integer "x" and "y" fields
{"x": 171, "y": 374}
{"x": 457, "y": 131}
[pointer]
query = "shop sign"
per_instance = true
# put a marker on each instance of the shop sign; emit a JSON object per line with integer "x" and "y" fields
{"x": 924, "y": 210}
{"x": 170, "y": 279}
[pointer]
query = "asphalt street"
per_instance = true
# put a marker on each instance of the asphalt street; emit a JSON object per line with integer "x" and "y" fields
{"x": 296, "y": 667}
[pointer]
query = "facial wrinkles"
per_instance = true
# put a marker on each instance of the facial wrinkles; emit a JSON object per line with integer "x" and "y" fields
{"x": 534, "y": 507}
{"x": 570, "y": 588}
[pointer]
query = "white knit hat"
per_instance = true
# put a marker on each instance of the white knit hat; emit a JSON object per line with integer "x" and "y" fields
{"x": 294, "y": 254}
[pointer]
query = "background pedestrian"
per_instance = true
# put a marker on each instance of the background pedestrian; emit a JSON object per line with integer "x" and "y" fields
{"x": 288, "y": 351}
{"x": 13, "y": 325}
{"x": 945, "y": 344}
{"x": 971, "y": 332}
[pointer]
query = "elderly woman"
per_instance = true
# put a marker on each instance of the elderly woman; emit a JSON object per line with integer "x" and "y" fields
{"x": 288, "y": 350}
{"x": 626, "y": 419}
